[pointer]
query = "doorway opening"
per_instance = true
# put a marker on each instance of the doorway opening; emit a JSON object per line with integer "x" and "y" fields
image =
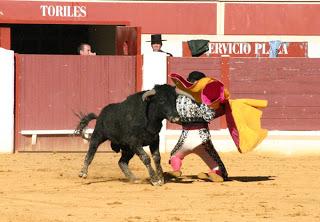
{"x": 62, "y": 39}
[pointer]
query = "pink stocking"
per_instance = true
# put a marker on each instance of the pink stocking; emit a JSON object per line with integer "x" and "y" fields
{"x": 176, "y": 163}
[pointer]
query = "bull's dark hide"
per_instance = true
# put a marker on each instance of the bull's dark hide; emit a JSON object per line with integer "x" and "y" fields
{"x": 132, "y": 124}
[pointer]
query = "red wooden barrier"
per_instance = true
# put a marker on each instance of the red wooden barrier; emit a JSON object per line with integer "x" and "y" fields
{"x": 291, "y": 85}
{"x": 51, "y": 88}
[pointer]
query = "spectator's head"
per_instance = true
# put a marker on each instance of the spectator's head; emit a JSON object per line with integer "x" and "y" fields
{"x": 156, "y": 42}
{"x": 85, "y": 49}
{"x": 195, "y": 76}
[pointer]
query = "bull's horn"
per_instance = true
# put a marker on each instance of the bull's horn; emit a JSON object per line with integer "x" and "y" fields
{"x": 181, "y": 92}
{"x": 151, "y": 92}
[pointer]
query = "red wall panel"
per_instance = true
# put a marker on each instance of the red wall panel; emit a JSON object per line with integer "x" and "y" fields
{"x": 172, "y": 17}
{"x": 291, "y": 86}
{"x": 5, "y": 40}
{"x": 153, "y": 17}
{"x": 272, "y": 19}
{"x": 128, "y": 40}
{"x": 52, "y": 88}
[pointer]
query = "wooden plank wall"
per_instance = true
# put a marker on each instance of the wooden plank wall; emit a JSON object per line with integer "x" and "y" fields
{"x": 51, "y": 87}
{"x": 291, "y": 85}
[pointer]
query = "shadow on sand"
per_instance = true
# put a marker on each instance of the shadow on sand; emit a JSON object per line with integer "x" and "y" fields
{"x": 193, "y": 178}
{"x": 185, "y": 179}
{"x": 252, "y": 178}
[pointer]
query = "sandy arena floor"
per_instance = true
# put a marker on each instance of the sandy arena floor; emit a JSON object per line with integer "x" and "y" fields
{"x": 264, "y": 187}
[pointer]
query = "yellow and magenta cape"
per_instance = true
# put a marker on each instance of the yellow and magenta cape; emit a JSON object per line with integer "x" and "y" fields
{"x": 242, "y": 115}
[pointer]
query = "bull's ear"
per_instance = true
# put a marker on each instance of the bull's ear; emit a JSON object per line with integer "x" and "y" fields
{"x": 146, "y": 95}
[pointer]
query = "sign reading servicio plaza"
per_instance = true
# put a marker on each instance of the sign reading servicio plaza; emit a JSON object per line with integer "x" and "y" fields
{"x": 251, "y": 49}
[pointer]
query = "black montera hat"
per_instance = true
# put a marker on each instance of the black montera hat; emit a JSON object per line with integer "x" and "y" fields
{"x": 156, "y": 39}
{"x": 195, "y": 76}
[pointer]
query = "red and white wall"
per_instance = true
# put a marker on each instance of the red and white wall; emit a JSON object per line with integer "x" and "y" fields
{"x": 286, "y": 21}
{"x": 178, "y": 21}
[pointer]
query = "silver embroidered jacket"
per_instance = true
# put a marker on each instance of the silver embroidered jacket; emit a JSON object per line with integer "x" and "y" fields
{"x": 190, "y": 111}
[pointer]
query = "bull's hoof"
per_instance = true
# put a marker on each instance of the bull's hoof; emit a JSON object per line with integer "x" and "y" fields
{"x": 83, "y": 175}
{"x": 161, "y": 181}
{"x": 156, "y": 182}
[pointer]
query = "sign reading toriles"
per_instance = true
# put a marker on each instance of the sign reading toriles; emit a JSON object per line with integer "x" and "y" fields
{"x": 63, "y": 11}
{"x": 251, "y": 49}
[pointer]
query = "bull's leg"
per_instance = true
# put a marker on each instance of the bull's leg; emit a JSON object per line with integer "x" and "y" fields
{"x": 154, "y": 148}
{"x": 147, "y": 162}
{"x": 95, "y": 141}
{"x": 126, "y": 156}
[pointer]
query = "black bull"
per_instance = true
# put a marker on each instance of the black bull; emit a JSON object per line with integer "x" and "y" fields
{"x": 130, "y": 125}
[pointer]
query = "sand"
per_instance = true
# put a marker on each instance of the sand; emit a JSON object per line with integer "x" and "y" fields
{"x": 263, "y": 187}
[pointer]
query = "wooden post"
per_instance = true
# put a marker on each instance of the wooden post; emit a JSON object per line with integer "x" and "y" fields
{"x": 139, "y": 59}
{"x": 17, "y": 107}
{"x": 5, "y": 40}
{"x": 225, "y": 77}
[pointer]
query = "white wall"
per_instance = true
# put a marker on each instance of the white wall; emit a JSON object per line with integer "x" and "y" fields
{"x": 155, "y": 72}
{"x": 7, "y": 101}
{"x": 154, "y": 69}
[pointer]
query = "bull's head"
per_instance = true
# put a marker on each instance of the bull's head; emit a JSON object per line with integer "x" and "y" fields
{"x": 163, "y": 102}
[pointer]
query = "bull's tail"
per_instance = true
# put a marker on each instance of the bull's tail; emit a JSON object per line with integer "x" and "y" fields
{"x": 84, "y": 121}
